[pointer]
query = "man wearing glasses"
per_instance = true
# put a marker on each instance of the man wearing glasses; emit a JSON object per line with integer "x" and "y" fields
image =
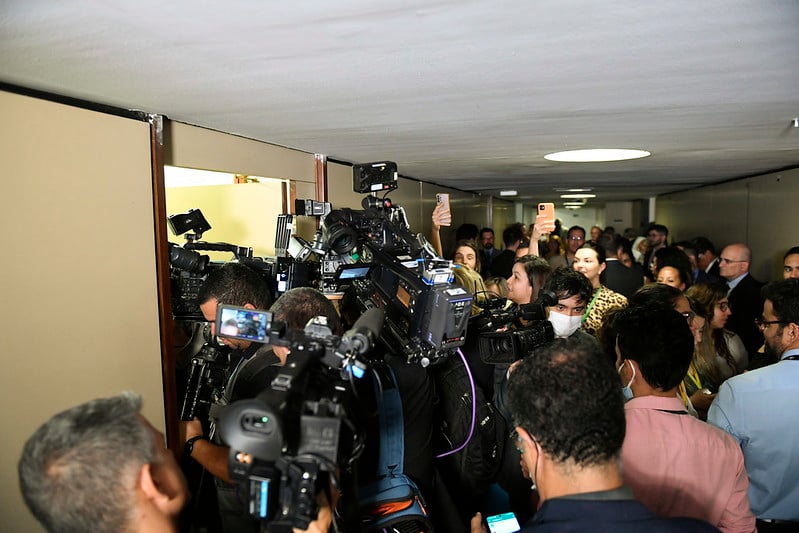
{"x": 575, "y": 239}
{"x": 759, "y": 410}
{"x": 744, "y": 295}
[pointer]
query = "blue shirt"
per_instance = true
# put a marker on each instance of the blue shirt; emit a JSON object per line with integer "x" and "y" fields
{"x": 760, "y": 409}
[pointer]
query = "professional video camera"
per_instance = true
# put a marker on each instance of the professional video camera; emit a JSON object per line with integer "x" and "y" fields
{"x": 190, "y": 268}
{"x": 295, "y": 437}
{"x": 503, "y": 347}
{"x": 397, "y": 271}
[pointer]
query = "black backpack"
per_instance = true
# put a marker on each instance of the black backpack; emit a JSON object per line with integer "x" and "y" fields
{"x": 470, "y": 453}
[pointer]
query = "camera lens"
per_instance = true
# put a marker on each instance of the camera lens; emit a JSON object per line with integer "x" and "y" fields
{"x": 188, "y": 260}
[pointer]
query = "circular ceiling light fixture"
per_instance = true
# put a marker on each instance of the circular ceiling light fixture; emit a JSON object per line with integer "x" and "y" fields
{"x": 596, "y": 155}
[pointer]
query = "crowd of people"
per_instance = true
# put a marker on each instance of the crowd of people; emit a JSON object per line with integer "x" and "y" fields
{"x": 665, "y": 401}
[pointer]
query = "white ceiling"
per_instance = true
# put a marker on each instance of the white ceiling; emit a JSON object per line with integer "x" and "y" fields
{"x": 470, "y": 94}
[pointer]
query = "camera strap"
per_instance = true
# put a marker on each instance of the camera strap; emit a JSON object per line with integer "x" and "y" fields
{"x": 392, "y": 449}
{"x": 392, "y": 502}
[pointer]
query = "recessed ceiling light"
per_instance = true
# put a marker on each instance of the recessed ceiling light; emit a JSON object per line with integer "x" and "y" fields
{"x": 508, "y": 193}
{"x": 574, "y": 190}
{"x": 596, "y": 155}
{"x": 581, "y": 195}
{"x": 573, "y": 203}
{"x": 572, "y": 206}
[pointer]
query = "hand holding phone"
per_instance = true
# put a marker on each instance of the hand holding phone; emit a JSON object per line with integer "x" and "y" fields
{"x": 442, "y": 214}
{"x": 545, "y": 219}
{"x": 503, "y": 523}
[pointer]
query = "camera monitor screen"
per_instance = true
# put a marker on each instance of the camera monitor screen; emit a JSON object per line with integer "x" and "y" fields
{"x": 243, "y": 323}
{"x": 356, "y": 271}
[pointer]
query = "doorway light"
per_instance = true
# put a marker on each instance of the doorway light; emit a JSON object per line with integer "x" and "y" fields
{"x": 192, "y": 177}
{"x": 596, "y": 155}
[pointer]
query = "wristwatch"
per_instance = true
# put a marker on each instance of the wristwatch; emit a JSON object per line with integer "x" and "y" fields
{"x": 189, "y": 446}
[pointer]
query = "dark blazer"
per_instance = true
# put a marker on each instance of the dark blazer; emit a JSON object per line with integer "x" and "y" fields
{"x": 714, "y": 269}
{"x": 606, "y": 515}
{"x": 620, "y": 278}
{"x": 502, "y": 265}
{"x": 704, "y": 277}
{"x": 746, "y": 305}
{"x": 485, "y": 261}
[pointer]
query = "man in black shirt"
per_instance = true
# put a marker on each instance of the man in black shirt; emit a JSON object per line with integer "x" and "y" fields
{"x": 239, "y": 285}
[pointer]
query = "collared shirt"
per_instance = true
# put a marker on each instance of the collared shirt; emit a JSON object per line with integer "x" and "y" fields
{"x": 759, "y": 409}
{"x": 734, "y": 283}
{"x": 678, "y": 465}
{"x": 710, "y": 265}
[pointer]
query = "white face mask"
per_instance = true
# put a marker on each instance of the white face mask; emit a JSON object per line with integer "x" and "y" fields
{"x": 564, "y": 325}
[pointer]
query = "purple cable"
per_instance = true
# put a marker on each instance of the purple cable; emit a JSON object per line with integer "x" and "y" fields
{"x": 474, "y": 410}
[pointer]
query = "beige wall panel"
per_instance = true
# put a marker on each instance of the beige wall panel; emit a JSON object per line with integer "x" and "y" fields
{"x": 243, "y": 214}
{"x": 772, "y": 227}
{"x": 339, "y": 187}
{"x": 758, "y": 211}
{"x": 717, "y": 212}
{"x": 620, "y": 216}
{"x": 195, "y": 147}
{"x": 79, "y": 318}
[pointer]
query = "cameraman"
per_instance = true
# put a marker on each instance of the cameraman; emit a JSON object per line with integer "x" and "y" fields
{"x": 239, "y": 285}
{"x": 573, "y": 292}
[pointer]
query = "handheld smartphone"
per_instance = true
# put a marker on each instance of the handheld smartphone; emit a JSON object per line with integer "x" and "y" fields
{"x": 243, "y": 323}
{"x": 443, "y": 198}
{"x": 546, "y": 216}
{"x": 503, "y": 523}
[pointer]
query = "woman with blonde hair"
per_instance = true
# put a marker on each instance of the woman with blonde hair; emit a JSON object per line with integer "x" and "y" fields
{"x": 722, "y": 353}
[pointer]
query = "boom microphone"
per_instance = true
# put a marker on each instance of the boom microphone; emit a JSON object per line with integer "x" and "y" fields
{"x": 361, "y": 338}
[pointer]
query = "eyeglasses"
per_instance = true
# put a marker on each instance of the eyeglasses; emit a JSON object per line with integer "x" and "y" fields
{"x": 689, "y": 316}
{"x": 725, "y": 260}
{"x": 724, "y": 306}
{"x": 764, "y": 324}
{"x": 575, "y": 238}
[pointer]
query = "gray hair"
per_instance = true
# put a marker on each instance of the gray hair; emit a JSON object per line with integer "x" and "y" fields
{"x": 78, "y": 470}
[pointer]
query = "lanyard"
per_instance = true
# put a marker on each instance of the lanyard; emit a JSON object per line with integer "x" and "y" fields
{"x": 693, "y": 375}
{"x": 588, "y": 309}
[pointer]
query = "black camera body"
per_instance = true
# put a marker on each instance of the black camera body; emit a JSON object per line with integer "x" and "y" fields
{"x": 307, "y": 426}
{"x": 507, "y": 346}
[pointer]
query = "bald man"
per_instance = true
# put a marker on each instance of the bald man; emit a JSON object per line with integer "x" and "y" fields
{"x": 744, "y": 295}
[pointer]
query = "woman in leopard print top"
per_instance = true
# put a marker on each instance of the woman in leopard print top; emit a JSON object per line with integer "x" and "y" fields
{"x": 590, "y": 261}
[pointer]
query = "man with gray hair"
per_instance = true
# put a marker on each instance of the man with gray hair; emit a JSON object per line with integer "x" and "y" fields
{"x": 744, "y": 295}
{"x": 101, "y": 466}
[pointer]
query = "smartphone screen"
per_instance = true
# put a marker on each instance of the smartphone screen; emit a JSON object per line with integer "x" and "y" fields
{"x": 546, "y": 217}
{"x": 443, "y": 198}
{"x": 503, "y": 523}
{"x": 242, "y": 323}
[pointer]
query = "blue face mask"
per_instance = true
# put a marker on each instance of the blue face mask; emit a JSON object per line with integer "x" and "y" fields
{"x": 627, "y": 391}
